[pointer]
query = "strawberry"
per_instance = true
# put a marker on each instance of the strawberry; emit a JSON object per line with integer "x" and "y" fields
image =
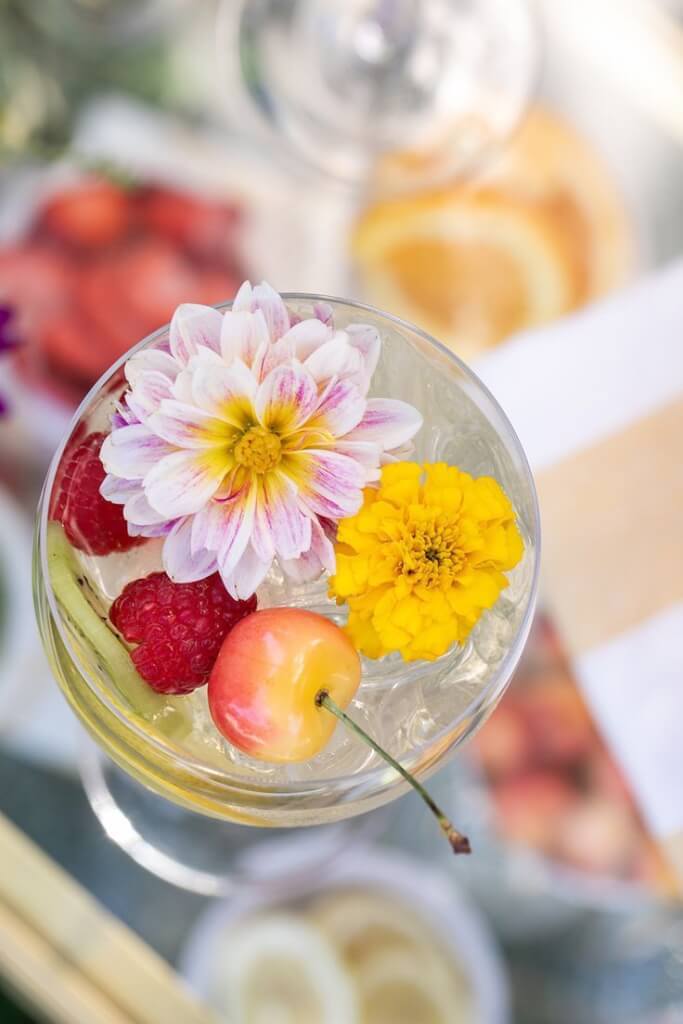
{"x": 178, "y": 628}
{"x": 89, "y": 215}
{"x": 91, "y": 523}
{"x": 203, "y": 228}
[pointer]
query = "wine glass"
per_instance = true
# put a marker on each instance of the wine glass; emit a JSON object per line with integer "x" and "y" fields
{"x": 165, "y": 784}
{"x": 424, "y": 87}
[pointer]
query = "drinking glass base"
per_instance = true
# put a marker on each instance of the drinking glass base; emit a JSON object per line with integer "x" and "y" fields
{"x": 203, "y": 854}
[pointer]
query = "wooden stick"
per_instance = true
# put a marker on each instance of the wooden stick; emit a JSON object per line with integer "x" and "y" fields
{"x": 70, "y": 958}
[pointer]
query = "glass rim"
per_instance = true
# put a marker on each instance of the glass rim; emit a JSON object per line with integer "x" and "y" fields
{"x": 371, "y": 780}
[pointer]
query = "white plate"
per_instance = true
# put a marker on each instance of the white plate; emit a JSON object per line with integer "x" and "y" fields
{"x": 428, "y": 891}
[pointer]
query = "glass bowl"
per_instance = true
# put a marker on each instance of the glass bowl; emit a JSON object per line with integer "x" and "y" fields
{"x": 420, "y": 711}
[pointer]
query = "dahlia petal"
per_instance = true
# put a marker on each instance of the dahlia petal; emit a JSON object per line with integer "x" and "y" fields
{"x": 387, "y": 421}
{"x": 205, "y": 355}
{"x": 180, "y": 562}
{"x": 280, "y": 526}
{"x": 367, "y": 453}
{"x": 138, "y": 511}
{"x": 182, "y": 482}
{"x": 242, "y": 303}
{"x": 150, "y": 360}
{"x": 130, "y": 452}
{"x": 123, "y": 416}
{"x": 150, "y": 389}
{"x": 234, "y": 528}
{"x": 341, "y": 408}
{"x": 154, "y": 530}
{"x": 366, "y": 340}
{"x": 262, "y": 538}
{"x": 119, "y": 491}
{"x": 217, "y": 525}
{"x": 318, "y": 559}
{"x": 286, "y": 398}
{"x": 226, "y": 392}
{"x": 182, "y": 385}
{"x": 247, "y": 576}
{"x": 186, "y": 426}
{"x": 266, "y": 299}
{"x": 335, "y": 358}
{"x": 323, "y": 311}
{"x": 305, "y": 337}
{"x": 275, "y": 355}
{"x": 330, "y": 484}
{"x": 193, "y": 325}
{"x": 244, "y": 336}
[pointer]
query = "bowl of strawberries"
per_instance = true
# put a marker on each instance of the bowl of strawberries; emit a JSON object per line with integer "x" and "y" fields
{"x": 101, "y": 262}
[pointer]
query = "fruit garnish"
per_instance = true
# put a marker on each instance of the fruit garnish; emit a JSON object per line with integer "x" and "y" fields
{"x": 91, "y": 523}
{"x": 71, "y": 588}
{"x": 178, "y": 628}
{"x": 264, "y": 683}
{"x": 283, "y": 675}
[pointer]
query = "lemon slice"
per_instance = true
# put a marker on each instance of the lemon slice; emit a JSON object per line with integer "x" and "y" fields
{"x": 540, "y": 232}
{"x": 469, "y": 267}
{"x": 277, "y": 969}
{"x": 360, "y": 923}
{"x": 396, "y": 987}
{"x": 401, "y": 971}
{"x": 550, "y": 163}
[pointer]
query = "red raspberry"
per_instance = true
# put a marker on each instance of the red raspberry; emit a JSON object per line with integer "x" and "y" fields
{"x": 179, "y": 628}
{"x": 91, "y": 523}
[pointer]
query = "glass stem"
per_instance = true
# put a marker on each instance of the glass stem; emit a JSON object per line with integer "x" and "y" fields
{"x": 459, "y": 842}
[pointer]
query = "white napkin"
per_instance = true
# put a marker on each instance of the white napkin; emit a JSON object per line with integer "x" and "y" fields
{"x": 599, "y": 397}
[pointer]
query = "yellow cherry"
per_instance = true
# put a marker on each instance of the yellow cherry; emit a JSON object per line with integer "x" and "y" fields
{"x": 280, "y": 683}
{"x": 264, "y": 684}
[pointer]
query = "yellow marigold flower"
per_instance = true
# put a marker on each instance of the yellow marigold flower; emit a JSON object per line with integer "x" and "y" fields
{"x": 423, "y": 558}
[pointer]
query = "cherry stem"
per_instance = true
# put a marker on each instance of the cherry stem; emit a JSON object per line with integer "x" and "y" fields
{"x": 459, "y": 842}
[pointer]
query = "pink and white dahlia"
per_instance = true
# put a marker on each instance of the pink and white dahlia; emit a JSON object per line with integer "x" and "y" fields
{"x": 249, "y": 438}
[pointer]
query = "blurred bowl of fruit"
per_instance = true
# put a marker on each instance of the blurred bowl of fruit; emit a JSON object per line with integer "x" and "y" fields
{"x": 93, "y": 261}
{"x": 377, "y": 938}
{"x": 548, "y": 810}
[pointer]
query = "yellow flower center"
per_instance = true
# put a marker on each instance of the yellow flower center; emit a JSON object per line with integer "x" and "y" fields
{"x": 430, "y": 552}
{"x": 258, "y": 449}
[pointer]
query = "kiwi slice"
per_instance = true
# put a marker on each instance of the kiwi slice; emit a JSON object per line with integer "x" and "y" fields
{"x": 76, "y": 599}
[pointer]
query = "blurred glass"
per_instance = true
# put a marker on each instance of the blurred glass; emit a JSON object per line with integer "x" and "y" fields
{"x": 343, "y": 83}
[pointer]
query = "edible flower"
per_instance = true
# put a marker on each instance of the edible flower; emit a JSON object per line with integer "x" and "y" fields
{"x": 249, "y": 437}
{"x": 423, "y": 558}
